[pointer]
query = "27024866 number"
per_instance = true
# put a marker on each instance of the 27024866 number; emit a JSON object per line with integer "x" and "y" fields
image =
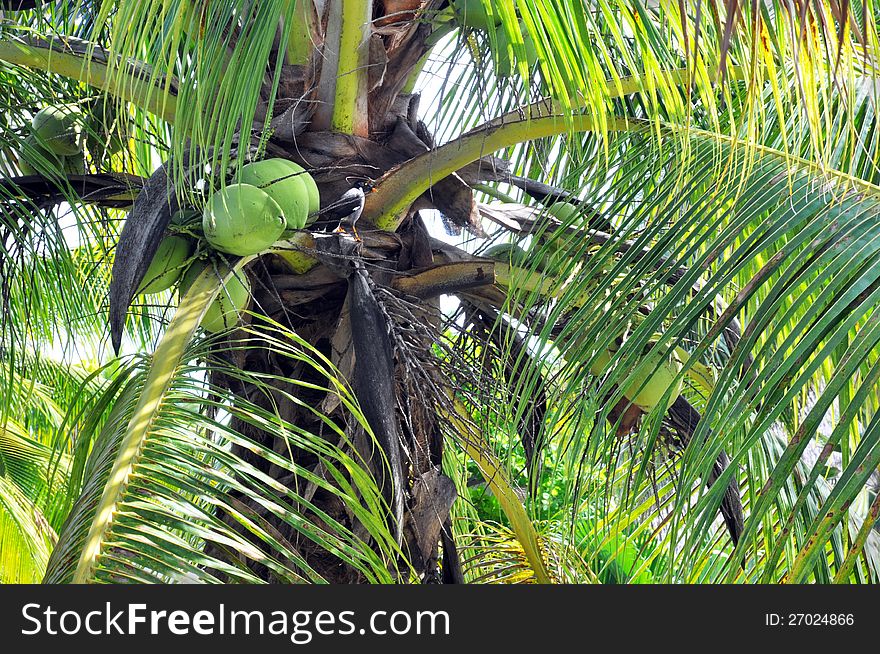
{"x": 819, "y": 619}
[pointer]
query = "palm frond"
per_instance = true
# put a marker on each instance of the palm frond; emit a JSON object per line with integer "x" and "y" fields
{"x": 172, "y": 495}
{"x": 26, "y": 539}
{"x": 790, "y": 252}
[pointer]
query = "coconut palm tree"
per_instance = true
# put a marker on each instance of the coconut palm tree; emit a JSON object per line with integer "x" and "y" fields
{"x": 607, "y": 312}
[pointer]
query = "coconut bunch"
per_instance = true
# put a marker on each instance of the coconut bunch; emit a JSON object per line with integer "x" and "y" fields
{"x": 55, "y": 144}
{"x": 272, "y": 198}
{"x": 550, "y": 252}
{"x": 60, "y": 136}
{"x": 656, "y": 377}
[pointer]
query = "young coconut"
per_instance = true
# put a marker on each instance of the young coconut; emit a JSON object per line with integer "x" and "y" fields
{"x": 565, "y": 212}
{"x": 241, "y": 219}
{"x": 508, "y": 253}
{"x": 225, "y": 311}
{"x": 314, "y": 198}
{"x": 166, "y": 266}
{"x": 58, "y": 130}
{"x": 654, "y": 375}
{"x": 554, "y": 254}
{"x": 105, "y": 132}
{"x": 311, "y": 189}
{"x": 557, "y": 252}
{"x": 284, "y": 184}
{"x": 36, "y": 159}
{"x": 74, "y": 165}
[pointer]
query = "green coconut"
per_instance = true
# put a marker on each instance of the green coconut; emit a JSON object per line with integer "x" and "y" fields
{"x": 74, "y": 165}
{"x": 225, "y": 310}
{"x": 104, "y": 121}
{"x": 36, "y": 159}
{"x": 280, "y": 179}
{"x": 556, "y": 252}
{"x": 189, "y": 275}
{"x": 105, "y": 133}
{"x": 473, "y": 13}
{"x": 58, "y": 129}
{"x": 701, "y": 375}
{"x": 565, "y": 212}
{"x": 600, "y": 364}
{"x": 312, "y": 188}
{"x": 241, "y": 219}
{"x": 102, "y": 145}
{"x": 553, "y": 255}
{"x": 166, "y": 266}
{"x": 508, "y": 253}
{"x": 654, "y": 375}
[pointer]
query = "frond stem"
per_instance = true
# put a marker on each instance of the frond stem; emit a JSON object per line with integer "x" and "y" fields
{"x": 89, "y": 64}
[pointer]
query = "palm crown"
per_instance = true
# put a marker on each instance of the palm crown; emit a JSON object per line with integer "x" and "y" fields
{"x": 644, "y": 349}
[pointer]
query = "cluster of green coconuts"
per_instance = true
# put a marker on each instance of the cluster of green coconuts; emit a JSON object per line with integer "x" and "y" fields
{"x": 656, "y": 372}
{"x": 55, "y": 143}
{"x": 273, "y": 197}
{"x": 473, "y": 14}
{"x": 60, "y": 134}
{"x": 551, "y": 258}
